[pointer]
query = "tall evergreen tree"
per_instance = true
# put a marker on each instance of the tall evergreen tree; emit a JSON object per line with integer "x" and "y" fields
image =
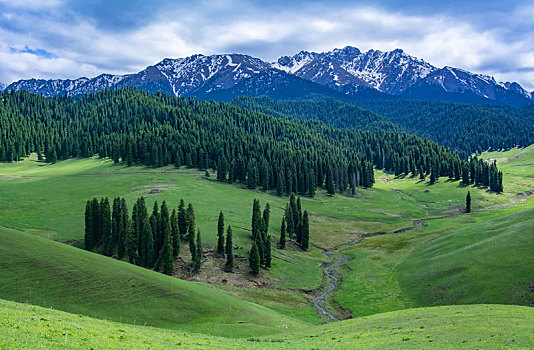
{"x": 220, "y": 234}
{"x": 191, "y": 229}
{"x": 254, "y": 259}
{"x": 89, "y": 228}
{"x": 266, "y": 217}
{"x": 105, "y": 212}
{"x": 148, "y": 256}
{"x": 182, "y": 219}
{"x": 282, "y": 242}
{"x": 175, "y": 234}
{"x": 116, "y": 223}
{"x": 197, "y": 260}
{"x": 330, "y": 188}
{"x": 166, "y": 255}
{"x": 229, "y": 249}
{"x": 124, "y": 231}
{"x": 468, "y": 202}
{"x": 305, "y": 239}
{"x": 268, "y": 252}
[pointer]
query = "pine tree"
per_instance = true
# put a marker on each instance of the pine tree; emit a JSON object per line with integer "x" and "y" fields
{"x": 330, "y": 188}
{"x": 148, "y": 256}
{"x": 290, "y": 225}
{"x": 154, "y": 221}
{"x": 191, "y": 229}
{"x": 268, "y": 252}
{"x": 89, "y": 229}
{"x": 305, "y": 239}
{"x": 175, "y": 234}
{"x": 182, "y": 219}
{"x": 105, "y": 212}
{"x": 123, "y": 233}
{"x": 254, "y": 259}
{"x": 164, "y": 221}
{"x": 166, "y": 256}
{"x": 197, "y": 259}
{"x": 468, "y": 202}
{"x": 266, "y": 217}
{"x": 282, "y": 242}
{"x": 220, "y": 234}
{"x": 116, "y": 223}
{"x": 229, "y": 249}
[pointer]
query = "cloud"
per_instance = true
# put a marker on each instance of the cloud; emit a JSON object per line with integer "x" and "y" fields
{"x": 67, "y": 40}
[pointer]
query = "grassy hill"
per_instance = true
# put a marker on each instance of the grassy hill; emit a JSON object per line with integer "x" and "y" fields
{"x": 40, "y": 271}
{"x": 467, "y": 327}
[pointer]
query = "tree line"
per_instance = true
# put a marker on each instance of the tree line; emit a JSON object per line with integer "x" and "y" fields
{"x": 257, "y": 150}
{"x": 150, "y": 240}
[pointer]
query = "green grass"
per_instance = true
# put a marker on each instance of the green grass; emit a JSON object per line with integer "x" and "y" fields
{"x": 44, "y": 200}
{"x": 466, "y": 327}
{"x": 478, "y": 258}
{"x": 40, "y": 271}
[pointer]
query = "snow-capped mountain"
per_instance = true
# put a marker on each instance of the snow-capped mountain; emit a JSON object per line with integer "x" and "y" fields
{"x": 346, "y": 71}
{"x": 389, "y": 72}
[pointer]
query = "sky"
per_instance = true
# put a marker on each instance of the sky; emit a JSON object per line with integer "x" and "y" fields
{"x": 69, "y": 39}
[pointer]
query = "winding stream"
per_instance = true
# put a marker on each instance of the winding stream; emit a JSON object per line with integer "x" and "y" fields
{"x": 330, "y": 273}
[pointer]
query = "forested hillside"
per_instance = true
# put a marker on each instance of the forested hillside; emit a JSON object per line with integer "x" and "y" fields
{"x": 465, "y": 128}
{"x": 156, "y": 130}
{"x": 330, "y": 111}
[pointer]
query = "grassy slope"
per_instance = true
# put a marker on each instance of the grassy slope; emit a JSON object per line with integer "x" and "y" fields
{"x": 47, "y": 273}
{"x": 485, "y": 256}
{"x": 48, "y": 200}
{"x": 477, "y": 326}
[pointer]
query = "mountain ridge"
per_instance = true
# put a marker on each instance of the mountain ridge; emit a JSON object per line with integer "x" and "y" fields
{"x": 346, "y": 71}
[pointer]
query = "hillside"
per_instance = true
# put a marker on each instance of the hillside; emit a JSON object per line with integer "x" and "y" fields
{"x": 40, "y": 271}
{"x": 481, "y": 257}
{"x": 337, "y": 113}
{"x": 476, "y": 326}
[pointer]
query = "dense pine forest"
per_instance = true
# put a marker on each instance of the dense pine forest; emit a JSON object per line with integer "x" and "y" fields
{"x": 255, "y": 149}
{"x": 333, "y": 112}
{"x": 465, "y": 128}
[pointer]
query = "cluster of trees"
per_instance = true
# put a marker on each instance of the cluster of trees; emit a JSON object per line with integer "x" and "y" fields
{"x": 483, "y": 173}
{"x": 333, "y": 112}
{"x": 225, "y": 246}
{"x": 133, "y": 126}
{"x": 295, "y": 224}
{"x": 466, "y": 128}
{"x": 149, "y": 240}
{"x": 260, "y": 252}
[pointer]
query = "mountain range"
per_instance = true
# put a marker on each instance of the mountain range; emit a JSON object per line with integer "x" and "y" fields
{"x": 340, "y": 73}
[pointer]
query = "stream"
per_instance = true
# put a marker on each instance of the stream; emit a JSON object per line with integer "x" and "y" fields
{"x": 330, "y": 273}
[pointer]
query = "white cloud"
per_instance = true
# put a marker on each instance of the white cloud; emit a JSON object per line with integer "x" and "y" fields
{"x": 84, "y": 49}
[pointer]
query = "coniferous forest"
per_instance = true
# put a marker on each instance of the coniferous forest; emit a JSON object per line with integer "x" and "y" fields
{"x": 258, "y": 150}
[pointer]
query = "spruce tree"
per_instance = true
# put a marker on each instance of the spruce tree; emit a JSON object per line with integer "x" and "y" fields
{"x": 266, "y": 217}
{"x": 282, "y": 242}
{"x": 175, "y": 234}
{"x": 290, "y": 226}
{"x": 154, "y": 221}
{"x": 468, "y": 202}
{"x": 229, "y": 249}
{"x": 220, "y": 234}
{"x": 167, "y": 260}
{"x": 305, "y": 235}
{"x": 197, "y": 259}
{"x": 191, "y": 228}
{"x": 330, "y": 188}
{"x": 123, "y": 233}
{"x": 148, "y": 257}
{"x": 254, "y": 259}
{"x": 105, "y": 212}
{"x": 164, "y": 221}
{"x": 268, "y": 252}
{"x": 89, "y": 229}
{"x": 182, "y": 219}
{"x": 116, "y": 223}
